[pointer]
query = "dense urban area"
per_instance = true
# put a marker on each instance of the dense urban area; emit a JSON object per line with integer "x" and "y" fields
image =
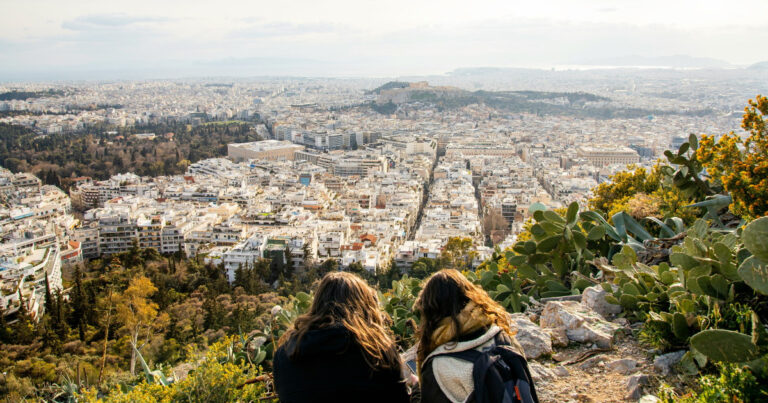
{"x": 206, "y": 202}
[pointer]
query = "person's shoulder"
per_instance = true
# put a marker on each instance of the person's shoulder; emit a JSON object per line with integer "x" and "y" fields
{"x": 481, "y": 340}
{"x": 504, "y": 339}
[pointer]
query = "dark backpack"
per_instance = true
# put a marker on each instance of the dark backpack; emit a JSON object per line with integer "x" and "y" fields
{"x": 500, "y": 374}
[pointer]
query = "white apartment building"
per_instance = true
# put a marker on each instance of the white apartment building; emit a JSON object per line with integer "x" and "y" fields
{"x": 23, "y": 277}
{"x": 243, "y": 254}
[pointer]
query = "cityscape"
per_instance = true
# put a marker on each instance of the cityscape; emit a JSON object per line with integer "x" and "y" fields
{"x": 218, "y": 201}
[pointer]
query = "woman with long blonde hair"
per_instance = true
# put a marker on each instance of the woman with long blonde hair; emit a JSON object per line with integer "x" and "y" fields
{"x": 341, "y": 350}
{"x": 459, "y": 319}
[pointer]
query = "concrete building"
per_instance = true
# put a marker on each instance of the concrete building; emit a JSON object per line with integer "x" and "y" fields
{"x": 273, "y": 150}
{"x": 602, "y": 155}
{"x": 23, "y": 277}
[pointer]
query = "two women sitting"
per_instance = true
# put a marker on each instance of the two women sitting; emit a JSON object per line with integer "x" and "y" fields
{"x": 342, "y": 350}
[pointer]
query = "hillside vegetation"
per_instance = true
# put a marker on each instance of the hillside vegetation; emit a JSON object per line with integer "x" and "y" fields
{"x": 578, "y": 104}
{"x": 691, "y": 284}
{"x": 55, "y": 158}
{"x": 23, "y": 95}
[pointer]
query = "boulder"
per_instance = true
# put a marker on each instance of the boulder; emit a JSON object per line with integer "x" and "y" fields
{"x": 664, "y": 363}
{"x": 635, "y": 385}
{"x": 535, "y": 341}
{"x": 580, "y": 323}
{"x": 540, "y": 373}
{"x": 594, "y": 299}
{"x": 558, "y": 336}
{"x": 625, "y": 366}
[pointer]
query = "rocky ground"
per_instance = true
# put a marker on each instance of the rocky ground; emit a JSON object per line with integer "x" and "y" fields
{"x": 578, "y": 351}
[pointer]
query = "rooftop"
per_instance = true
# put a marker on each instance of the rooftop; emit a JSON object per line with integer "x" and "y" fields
{"x": 265, "y": 145}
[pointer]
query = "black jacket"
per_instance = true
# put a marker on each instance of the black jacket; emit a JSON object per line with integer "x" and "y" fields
{"x": 330, "y": 367}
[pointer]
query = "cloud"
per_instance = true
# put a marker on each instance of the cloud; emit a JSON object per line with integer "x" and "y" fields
{"x": 107, "y": 21}
{"x": 316, "y": 45}
{"x": 284, "y": 29}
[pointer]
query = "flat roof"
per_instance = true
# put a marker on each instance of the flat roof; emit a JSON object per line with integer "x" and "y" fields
{"x": 265, "y": 145}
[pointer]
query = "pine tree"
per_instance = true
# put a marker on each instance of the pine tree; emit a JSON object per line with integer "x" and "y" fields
{"x": 240, "y": 277}
{"x": 109, "y": 307}
{"x": 60, "y": 323}
{"x": 5, "y": 334}
{"x": 214, "y": 314}
{"x": 49, "y": 302}
{"x": 23, "y": 330}
{"x": 79, "y": 301}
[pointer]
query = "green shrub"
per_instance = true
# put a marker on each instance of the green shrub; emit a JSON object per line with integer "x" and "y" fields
{"x": 732, "y": 383}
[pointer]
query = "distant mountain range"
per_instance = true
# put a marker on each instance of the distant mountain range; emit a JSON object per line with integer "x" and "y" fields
{"x": 759, "y": 66}
{"x": 676, "y": 61}
{"x": 679, "y": 61}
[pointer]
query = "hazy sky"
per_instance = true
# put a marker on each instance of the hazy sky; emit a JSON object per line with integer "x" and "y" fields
{"x": 74, "y": 38}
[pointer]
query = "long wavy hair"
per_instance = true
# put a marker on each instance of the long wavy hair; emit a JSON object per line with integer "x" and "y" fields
{"x": 444, "y": 295}
{"x": 344, "y": 299}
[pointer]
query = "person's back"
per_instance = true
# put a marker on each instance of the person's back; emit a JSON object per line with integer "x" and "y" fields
{"x": 330, "y": 367}
{"x": 341, "y": 350}
{"x": 460, "y": 327}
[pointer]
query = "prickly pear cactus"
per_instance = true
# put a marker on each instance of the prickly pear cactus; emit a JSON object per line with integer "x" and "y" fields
{"x": 754, "y": 270}
{"x": 755, "y": 237}
{"x": 724, "y": 345}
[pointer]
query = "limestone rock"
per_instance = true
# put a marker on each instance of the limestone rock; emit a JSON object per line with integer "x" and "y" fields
{"x": 561, "y": 371}
{"x": 559, "y": 336}
{"x": 540, "y": 373}
{"x": 581, "y": 324}
{"x": 649, "y": 399}
{"x": 592, "y": 362}
{"x": 561, "y": 356}
{"x": 635, "y": 385}
{"x": 625, "y": 366}
{"x": 621, "y": 322}
{"x": 594, "y": 298}
{"x": 535, "y": 341}
{"x": 664, "y": 363}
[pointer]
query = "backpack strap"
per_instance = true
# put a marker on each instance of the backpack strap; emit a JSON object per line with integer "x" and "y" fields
{"x": 480, "y": 370}
{"x": 519, "y": 365}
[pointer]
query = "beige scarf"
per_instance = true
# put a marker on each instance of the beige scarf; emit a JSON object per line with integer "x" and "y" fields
{"x": 471, "y": 319}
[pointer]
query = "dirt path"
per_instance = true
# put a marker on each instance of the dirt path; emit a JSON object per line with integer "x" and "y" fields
{"x": 598, "y": 378}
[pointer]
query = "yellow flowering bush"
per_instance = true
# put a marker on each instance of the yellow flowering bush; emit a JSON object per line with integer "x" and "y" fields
{"x": 642, "y": 193}
{"x": 525, "y": 234}
{"x": 623, "y": 186}
{"x": 741, "y": 165}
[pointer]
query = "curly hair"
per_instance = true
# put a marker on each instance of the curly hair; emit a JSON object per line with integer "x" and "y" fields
{"x": 444, "y": 295}
{"x": 344, "y": 299}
